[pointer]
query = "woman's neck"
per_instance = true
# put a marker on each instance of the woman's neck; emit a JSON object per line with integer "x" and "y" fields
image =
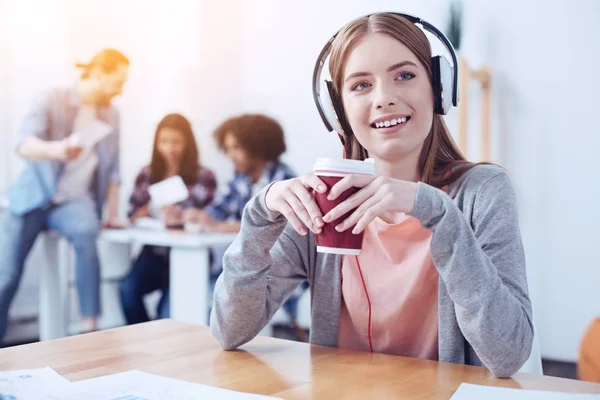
{"x": 406, "y": 169}
{"x": 257, "y": 170}
{"x": 172, "y": 170}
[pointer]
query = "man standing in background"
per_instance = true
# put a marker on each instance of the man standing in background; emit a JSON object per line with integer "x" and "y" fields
{"x": 70, "y": 138}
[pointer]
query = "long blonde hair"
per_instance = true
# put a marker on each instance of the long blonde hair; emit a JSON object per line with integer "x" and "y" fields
{"x": 441, "y": 162}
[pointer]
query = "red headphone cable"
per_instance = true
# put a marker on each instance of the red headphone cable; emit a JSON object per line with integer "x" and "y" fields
{"x": 368, "y": 302}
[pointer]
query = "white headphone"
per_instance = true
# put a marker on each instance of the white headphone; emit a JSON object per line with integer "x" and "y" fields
{"x": 444, "y": 77}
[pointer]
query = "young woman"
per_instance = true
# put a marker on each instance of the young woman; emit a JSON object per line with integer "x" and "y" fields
{"x": 441, "y": 274}
{"x": 174, "y": 153}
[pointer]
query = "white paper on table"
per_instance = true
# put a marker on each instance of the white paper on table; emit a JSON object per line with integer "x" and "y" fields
{"x": 91, "y": 134}
{"x": 32, "y": 384}
{"x": 169, "y": 191}
{"x": 138, "y": 385}
{"x": 467, "y": 391}
{"x": 151, "y": 224}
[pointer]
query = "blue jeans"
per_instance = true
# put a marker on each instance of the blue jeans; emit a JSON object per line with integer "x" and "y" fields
{"x": 149, "y": 272}
{"x": 77, "y": 221}
{"x": 291, "y": 304}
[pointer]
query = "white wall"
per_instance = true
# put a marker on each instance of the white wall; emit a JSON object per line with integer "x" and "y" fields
{"x": 544, "y": 96}
{"x": 545, "y": 86}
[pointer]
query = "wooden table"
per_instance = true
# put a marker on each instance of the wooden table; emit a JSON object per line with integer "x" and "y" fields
{"x": 280, "y": 368}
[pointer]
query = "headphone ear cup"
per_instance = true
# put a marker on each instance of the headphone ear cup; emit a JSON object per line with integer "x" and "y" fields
{"x": 436, "y": 83}
{"x": 338, "y": 107}
{"x": 443, "y": 85}
{"x": 325, "y": 108}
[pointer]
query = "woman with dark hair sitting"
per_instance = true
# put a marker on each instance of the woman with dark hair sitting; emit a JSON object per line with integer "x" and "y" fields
{"x": 174, "y": 153}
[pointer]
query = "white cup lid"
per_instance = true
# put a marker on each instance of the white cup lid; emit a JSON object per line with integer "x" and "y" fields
{"x": 344, "y": 166}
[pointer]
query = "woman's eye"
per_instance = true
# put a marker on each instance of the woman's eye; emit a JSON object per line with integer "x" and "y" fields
{"x": 405, "y": 76}
{"x": 360, "y": 86}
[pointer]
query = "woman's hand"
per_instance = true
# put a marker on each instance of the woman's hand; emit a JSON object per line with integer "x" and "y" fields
{"x": 114, "y": 223}
{"x": 196, "y": 216}
{"x": 172, "y": 215}
{"x": 379, "y": 196}
{"x": 293, "y": 199}
{"x": 141, "y": 212}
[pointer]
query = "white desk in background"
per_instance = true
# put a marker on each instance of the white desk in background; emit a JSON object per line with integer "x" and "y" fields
{"x": 189, "y": 273}
{"x": 189, "y": 266}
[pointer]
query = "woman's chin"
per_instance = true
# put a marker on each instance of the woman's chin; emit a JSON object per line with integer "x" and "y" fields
{"x": 391, "y": 152}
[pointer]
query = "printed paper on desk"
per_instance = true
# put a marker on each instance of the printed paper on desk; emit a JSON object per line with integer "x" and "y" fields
{"x": 169, "y": 191}
{"x": 138, "y": 385}
{"x": 32, "y": 384}
{"x": 467, "y": 391}
{"x": 91, "y": 134}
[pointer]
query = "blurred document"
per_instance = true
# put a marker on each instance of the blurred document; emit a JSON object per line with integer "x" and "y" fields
{"x": 89, "y": 136}
{"x": 32, "y": 384}
{"x": 138, "y": 385}
{"x": 152, "y": 224}
{"x": 169, "y": 191}
{"x": 467, "y": 391}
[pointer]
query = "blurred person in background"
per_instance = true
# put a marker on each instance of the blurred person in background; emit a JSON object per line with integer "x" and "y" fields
{"x": 254, "y": 143}
{"x": 65, "y": 184}
{"x": 588, "y": 364}
{"x": 175, "y": 152}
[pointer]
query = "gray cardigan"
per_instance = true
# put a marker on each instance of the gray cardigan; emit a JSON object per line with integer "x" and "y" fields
{"x": 484, "y": 311}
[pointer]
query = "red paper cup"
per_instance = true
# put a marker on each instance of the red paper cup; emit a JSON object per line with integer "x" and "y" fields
{"x": 331, "y": 171}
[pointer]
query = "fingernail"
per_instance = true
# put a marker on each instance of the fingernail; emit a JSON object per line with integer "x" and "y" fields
{"x": 318, "y": 222}
{"x": 339, "y": 228}
{"x": 321, "y": 188}
{"x": 355, "y": 231}
{"x": 330, "y": 196}
{"x": 327, "y": 218}
{"x": 303, "y": 231}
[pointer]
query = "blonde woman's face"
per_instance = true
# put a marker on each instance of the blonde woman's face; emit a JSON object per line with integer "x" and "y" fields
{"x": 387, "y": 97}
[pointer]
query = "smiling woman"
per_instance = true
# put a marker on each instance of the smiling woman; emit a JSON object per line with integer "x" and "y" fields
{"x": 441, "y": 273}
